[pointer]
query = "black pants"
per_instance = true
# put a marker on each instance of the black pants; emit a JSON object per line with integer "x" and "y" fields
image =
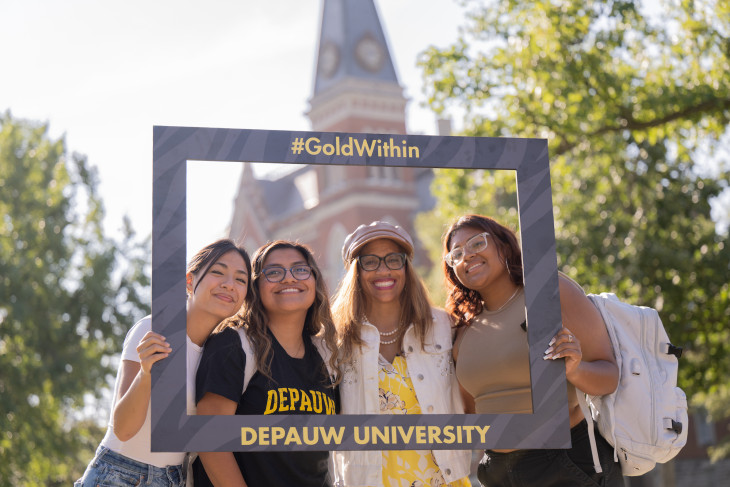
{"x": 558, "y": 468}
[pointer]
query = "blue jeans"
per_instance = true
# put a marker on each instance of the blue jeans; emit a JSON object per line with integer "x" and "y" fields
{"x": 112, "y": 469}
{"x": 553, "y": 468}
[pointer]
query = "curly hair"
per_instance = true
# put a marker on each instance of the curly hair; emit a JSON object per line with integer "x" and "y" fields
{"x": 254, "y": 318}
{"x": 465, "y": 304}
{"x": 350, "y": 303}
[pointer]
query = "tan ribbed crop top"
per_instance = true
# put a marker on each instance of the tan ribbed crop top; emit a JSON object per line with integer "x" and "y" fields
{"x": 493, "y": 362}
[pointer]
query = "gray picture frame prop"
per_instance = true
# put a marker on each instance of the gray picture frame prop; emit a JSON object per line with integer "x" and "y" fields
{"x": 174, "y": 430}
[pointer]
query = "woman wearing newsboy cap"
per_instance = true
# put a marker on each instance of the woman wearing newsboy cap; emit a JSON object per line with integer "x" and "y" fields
{"x": 396, "y": 358}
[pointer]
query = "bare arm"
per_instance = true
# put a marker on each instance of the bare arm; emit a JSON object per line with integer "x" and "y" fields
{"x": 221, "y": 467}
{"x": 468, "y": 399}
{"x": 584, "y": 343}
{"x": 130, "y": 409}
{"x": 469, "y": 405}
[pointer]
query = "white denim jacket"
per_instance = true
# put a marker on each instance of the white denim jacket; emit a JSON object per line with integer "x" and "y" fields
{"x": 432, "y": 372}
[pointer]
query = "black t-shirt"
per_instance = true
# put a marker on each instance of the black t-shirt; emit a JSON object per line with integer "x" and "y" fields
{"x": 300, "y": 386}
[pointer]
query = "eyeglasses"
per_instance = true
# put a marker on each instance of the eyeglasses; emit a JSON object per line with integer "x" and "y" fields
{"x": 474, "y": 245}
{"x": 393, "y": 261}
{"x": 277, "y": 273}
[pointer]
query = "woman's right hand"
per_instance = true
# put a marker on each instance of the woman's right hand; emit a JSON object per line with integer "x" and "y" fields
{"x": 152, "y": 348}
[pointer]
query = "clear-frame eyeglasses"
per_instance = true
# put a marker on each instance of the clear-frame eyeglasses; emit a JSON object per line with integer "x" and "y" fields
{"x": 474, "y": 245}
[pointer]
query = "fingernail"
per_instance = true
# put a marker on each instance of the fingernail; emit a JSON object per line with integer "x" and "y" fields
{"x": 551, "y": 341}
{"x": 547, "y": 357}
{"x": 557, "y": 355}
{"x": 549, "y": 349}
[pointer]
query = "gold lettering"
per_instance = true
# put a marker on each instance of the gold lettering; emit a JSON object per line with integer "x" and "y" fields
{"x": 330, "y": 405}
{"x": 283, "y": 406}
{"x": 406, "y": 437}
{"x": 271, "y": 402}
{"x": 380, "y": 435}
{"x": 482, "y": 432}
{"x": 293, "y": 437}
{"x": 394, "y": 150}
{"x": 311, "y": 441}
{"x": 448, "y": 433}
{"x": 263, "y": 435}
{"x": 248, "y": 436}
{"x": 420, "y": 434}
{"x": 317, "y": 401}
{"x": 332, "y": 434}
{"x": 277, "y": 433}
{"x": 362, "y": 441}
{"x": 347, "y": 148}
{"x": 306, "y": 403}
{"x": 293, "y": 398}
{"x": 468, "y": 430}
{"x": 364, "y": 147}
{"x": 433, "y": 434}
{"x": 313, "y": 151}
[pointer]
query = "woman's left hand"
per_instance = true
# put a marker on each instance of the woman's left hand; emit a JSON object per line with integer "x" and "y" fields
{"x": 565, "y": 345}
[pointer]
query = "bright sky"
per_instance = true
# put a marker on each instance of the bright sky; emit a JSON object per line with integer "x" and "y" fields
{"x": 104, "y": 73}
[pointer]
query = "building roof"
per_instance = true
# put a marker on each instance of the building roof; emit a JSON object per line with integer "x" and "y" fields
{"x": 352, "y": 45}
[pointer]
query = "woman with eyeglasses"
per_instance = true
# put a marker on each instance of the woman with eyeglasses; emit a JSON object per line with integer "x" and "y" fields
{"x": 483, "y": 268}
{"x": 395, "y": 351}
{"x": 289, "y": 327}
{"x": 217, "y": 286}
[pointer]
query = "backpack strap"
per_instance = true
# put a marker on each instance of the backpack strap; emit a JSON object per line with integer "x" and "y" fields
{"x": 591, "y": 434}
{"x": 248, "y": 372}
{"x": 250, "y": 367}
{"x": 325, "y": 353}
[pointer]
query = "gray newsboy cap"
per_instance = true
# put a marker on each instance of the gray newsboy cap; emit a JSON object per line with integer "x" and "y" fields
{"x": 367, "y": 233}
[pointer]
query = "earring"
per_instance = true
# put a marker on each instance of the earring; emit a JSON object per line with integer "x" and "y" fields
{"x": 507, "y": 266}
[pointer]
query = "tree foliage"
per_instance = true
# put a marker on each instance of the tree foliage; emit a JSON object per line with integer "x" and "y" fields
{"x": 633, "y": 103}
{"x": 68, "y": 294}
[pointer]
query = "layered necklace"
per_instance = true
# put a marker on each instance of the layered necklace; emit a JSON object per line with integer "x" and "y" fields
{"x": 388, "y": 334}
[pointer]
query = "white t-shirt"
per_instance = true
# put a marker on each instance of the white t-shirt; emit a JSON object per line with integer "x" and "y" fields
{"x": 138, "y": 447}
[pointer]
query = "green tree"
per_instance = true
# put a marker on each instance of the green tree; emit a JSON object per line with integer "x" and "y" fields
{"x": 631, "y": 103}
{"x": 68, "y": 294}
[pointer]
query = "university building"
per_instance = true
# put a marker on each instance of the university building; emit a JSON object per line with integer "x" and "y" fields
{"x": 356, "y": 89}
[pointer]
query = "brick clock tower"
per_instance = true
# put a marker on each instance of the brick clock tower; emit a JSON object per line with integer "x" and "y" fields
{"x": 356, "y": 89}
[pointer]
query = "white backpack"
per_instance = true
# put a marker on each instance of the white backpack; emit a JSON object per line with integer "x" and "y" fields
{"x": 645, "y": 419}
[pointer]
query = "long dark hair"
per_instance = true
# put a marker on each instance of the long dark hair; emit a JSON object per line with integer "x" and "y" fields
{"x": 204, "y": 259}
{"x": 465, "y": 304}
{"x": 254, "y": 320}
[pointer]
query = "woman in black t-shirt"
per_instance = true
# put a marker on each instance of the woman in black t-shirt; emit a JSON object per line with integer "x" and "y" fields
{"x": 291, "y": 332}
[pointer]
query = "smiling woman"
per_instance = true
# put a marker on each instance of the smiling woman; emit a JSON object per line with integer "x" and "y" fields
{"x": 289, "y": 329}
{"x": 217, "y": 284}
{"x": 396, "y": 356}
{"x": 484, "y": 276}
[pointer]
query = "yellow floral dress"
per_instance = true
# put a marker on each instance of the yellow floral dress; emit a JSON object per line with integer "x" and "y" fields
{"x": 406, "y": 468}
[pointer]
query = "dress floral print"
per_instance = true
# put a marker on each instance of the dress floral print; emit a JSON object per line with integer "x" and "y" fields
{"x": 409, "y": 468}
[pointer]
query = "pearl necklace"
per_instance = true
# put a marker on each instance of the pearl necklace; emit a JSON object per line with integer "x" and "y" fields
{"x": 389, "y": 342}
{"x": 386, "y": 334}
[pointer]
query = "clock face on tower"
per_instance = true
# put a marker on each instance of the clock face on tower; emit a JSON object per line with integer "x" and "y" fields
{"x": 369, "y": 53}
{"x": 329, "y": 58}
